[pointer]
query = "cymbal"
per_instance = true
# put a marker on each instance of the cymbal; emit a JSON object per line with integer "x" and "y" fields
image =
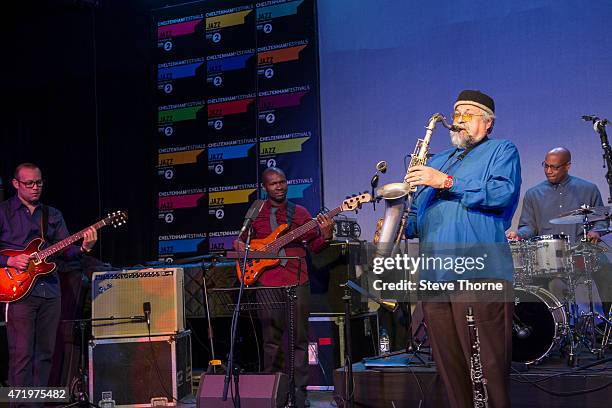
{"x": 577, "y": 216}
{"x": 601, "y": 231}
{"x": 586, "y": 209}
{"x": 586, "y": 247}
{"x": 575, "y": 219}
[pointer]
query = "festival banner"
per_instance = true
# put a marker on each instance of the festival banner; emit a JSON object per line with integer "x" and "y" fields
{"x": 236, "y": 92}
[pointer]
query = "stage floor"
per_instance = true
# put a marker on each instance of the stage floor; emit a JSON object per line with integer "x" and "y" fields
{"x": 407, "y": 386}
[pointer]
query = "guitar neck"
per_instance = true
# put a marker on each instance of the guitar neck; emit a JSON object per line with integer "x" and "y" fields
{"x": 280, "y": 242}
{"x": 59, "y": 246}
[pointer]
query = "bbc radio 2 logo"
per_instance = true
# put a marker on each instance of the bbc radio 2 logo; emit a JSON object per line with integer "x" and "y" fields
{"x": 167, "y": 174}
{"x": 167, "y": 217}
{"x": 268, "y": 73}
{"x": 216, "y": 124}
{"x": 218, "y": 168}
{"x": 266, "y": 28}
{"x": 269, "y": 117}
{"x": 166, "y": 88}
{"x": 217, "y": 80}
{"x": 215, "y": 37}
{"x": 218, "y": 213}
{"x": 166, "y": 45}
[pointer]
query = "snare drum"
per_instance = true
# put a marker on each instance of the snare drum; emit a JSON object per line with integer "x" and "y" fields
{"x": 551, "y": 255}
{"x": 521, "y": 259}
{"x": 517, "y": 248}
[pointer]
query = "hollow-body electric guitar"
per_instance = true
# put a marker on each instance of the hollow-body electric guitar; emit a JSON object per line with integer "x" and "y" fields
{"x": 280, "y": 237}
{"x": 15, "y": 284}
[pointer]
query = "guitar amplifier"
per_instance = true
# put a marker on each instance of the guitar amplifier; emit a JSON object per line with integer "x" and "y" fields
{"x": 123, "y": 294}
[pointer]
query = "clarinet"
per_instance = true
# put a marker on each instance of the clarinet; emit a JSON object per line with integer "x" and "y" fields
{"x": 479, "y": 383}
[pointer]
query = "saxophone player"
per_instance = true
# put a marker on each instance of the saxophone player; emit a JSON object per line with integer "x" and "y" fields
{"x": 465, "y": 201}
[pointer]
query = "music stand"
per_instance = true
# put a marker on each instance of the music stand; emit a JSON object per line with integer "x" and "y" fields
{"x": 242, "y": 299}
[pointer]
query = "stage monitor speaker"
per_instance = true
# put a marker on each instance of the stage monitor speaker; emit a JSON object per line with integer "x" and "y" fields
{"x": 124, "y": 293}
{"x": 256, "y": 391}
{"x": 134, "y": 371}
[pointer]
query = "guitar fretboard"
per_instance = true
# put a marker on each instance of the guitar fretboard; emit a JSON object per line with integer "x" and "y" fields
{"x": 58, "y": 246}
{"x": 280, "y": 242}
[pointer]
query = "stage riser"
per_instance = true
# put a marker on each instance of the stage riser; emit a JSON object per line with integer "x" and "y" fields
{"x": 381, "y": 389}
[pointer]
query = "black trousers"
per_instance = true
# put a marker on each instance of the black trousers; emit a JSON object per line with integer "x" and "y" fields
{"x": 31, "y": 329}
{"x": 449, "y": 337}
{"x": 275, "y": 331}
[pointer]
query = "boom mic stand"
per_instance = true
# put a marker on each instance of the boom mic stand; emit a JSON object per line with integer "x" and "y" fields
{"x": 231, "y": 370}
{"x": 599, "y": 126}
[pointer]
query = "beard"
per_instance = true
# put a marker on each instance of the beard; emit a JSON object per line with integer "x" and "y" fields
{"x": 461, "y": 141}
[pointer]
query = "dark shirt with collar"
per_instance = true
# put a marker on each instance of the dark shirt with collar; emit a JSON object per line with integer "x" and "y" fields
{"x": 546, "y": 201}
{"x": 18, "y": 227}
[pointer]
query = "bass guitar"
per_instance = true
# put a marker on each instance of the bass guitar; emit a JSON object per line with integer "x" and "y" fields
{"x": 15, "y": 284}
{"x": 281, "y": 237}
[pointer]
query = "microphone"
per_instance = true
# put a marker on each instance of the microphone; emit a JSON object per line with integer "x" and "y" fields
{"x": 522, "y": 331}
{"x": 589, "y": 118}
{"x": 251, "y": 214}
{"x": 146, "y": 308}
{"x": 381, "y": 166}
{"x": 374, "y": 181}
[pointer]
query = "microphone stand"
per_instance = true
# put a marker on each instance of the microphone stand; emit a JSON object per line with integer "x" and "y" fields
{"x": 599, "y": 125}
{"x": 79, "y": 385}
{"x": 231, "y": 370}
{"x": 607, "y": 155}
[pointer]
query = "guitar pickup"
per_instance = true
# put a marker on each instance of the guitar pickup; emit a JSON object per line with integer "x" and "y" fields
{"x": 35, "y": 258}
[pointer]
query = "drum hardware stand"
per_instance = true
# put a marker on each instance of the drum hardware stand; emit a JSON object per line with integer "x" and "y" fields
{"x": 580, "y": 333}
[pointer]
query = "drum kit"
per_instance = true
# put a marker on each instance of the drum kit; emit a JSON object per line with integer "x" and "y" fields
{"x": 544, "y": 321}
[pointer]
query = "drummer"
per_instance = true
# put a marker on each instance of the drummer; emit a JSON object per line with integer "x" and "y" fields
{"x": 561, "y": 193}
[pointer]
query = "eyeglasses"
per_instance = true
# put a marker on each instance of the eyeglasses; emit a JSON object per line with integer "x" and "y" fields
{"x": 31, "y": 183}
{"x": 466, "y": 117}
{"x": 552, "y": 166}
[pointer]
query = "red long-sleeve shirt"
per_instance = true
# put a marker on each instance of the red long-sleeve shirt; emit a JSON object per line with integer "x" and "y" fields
{"x": 288, "y": 274}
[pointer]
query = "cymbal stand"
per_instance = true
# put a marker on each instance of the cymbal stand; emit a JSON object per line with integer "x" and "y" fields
{"x": 582, "y": 327}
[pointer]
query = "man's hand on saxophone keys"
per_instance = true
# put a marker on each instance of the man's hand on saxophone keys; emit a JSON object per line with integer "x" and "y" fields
{"x": 425, "y": 176}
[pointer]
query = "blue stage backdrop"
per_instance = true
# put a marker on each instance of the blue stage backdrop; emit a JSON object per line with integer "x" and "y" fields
{"x": 237, "y": 92}
{"x": 386, "y": 66}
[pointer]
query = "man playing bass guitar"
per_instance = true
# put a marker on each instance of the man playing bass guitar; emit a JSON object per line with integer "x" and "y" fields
{"x": 276, "y": 211}
{"x": 32, "y": 321}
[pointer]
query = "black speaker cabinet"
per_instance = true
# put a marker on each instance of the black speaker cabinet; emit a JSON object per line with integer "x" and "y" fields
{"x": 332, "y": 267}
{"x": 133, "y": 371}
{"x": 256, "y": 391}
{"x": 325, "y": 349}
{"x": 326, "y": 345}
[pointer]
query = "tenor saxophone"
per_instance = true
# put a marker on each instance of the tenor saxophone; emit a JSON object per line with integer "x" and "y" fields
{"x": 398, "y": 196}
{"x": 479, "y": 382}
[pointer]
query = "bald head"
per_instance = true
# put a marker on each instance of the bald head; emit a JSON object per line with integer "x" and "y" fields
{"x": 562, "y": 152}
{"x": 557, "y": 164}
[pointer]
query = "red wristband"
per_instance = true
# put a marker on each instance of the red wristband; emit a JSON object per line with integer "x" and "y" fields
{"x": 448, "y": 183}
